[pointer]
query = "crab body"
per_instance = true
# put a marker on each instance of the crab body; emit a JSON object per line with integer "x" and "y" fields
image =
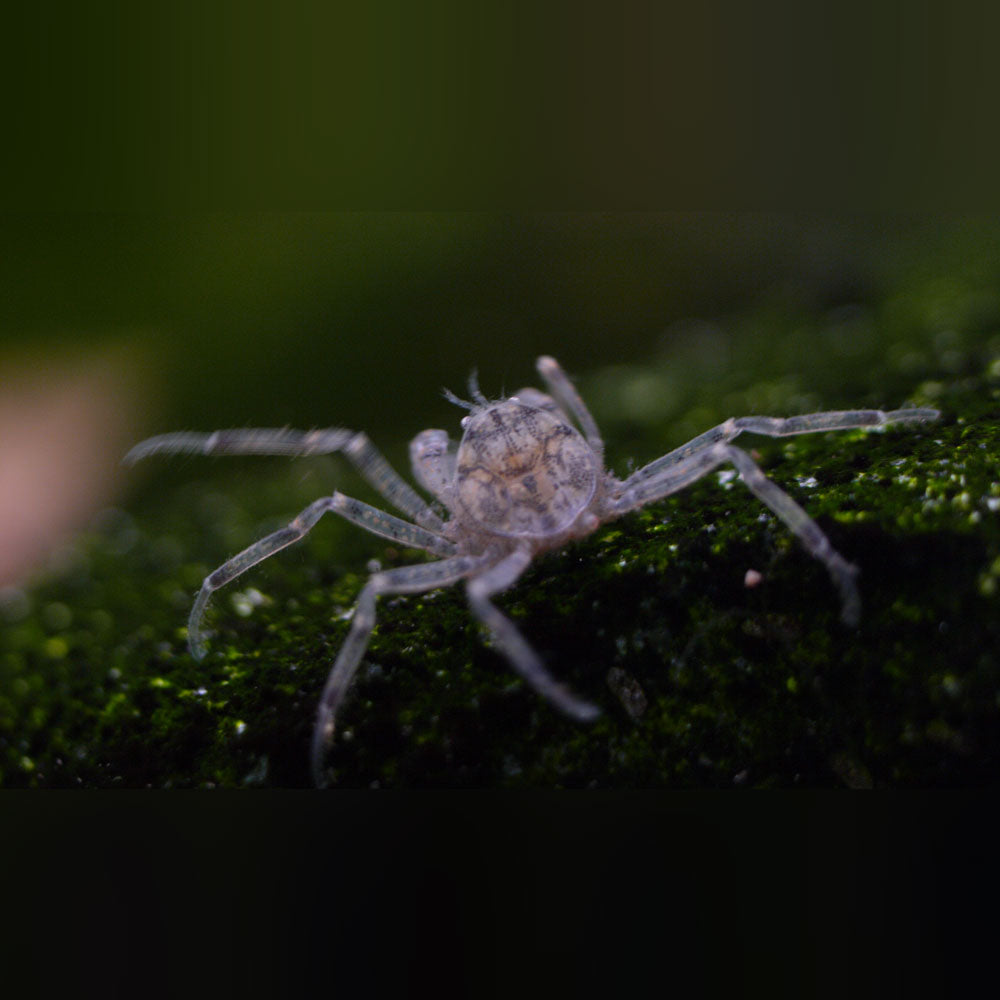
{"x": 522, "y": 480}
{"x": 523, "y": 473}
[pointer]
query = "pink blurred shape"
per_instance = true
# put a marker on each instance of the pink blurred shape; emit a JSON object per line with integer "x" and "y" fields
{"x": 64, "y": 424}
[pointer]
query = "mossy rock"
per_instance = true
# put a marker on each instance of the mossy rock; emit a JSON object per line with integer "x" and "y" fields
{"x": 703, "y": 680}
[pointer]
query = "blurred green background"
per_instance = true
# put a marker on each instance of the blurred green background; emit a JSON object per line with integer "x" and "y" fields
{"x": 199, "y": 321}
{"x": 361, "y": 318}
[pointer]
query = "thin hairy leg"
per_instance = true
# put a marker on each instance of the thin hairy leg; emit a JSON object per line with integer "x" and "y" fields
{"x": 370, "y": 518}
{"x": 521, "y": 656}
{"x": 380, "y": 523}
{"x": 245, "y": 441}
{"x": 687, "y": 470}
{"x": 369, "y": 462}
{"x": 804, "y": 528}
{"x": 284, "y": 441}
{"x": 808, "y": 423}
{"x": 405, "y": 580}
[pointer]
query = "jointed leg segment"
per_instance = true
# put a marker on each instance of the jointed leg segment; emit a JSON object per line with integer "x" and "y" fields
{"x": 686, "y": 470}
{"x": 244, "y": 441}
{"x": 405, "y": 580}
{"x": 416, "y": 579}
{"x": 804, "y": 528}
{"x": 807, "y": 423}
{"x": 282, "y": 441}
{"x": 521, "y": 656}
{"x": 682, "y": 466}
{"x": 359, "y": 513}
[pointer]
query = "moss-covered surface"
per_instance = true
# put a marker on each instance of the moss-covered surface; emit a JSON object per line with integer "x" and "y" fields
{"x": 704, "y": 681}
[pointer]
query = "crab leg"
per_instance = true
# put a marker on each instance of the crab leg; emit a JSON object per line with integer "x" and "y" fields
{"x": 807, "y": 423}
{"x": 405, "y": 580}
{"x": 283, "y": 441}
{"x": 691, "y": 468}
{"x": 521, "y": 656}
{"x": 370, "y": 518}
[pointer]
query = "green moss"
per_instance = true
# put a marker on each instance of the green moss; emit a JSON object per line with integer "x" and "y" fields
{"x": 704, "y": 680}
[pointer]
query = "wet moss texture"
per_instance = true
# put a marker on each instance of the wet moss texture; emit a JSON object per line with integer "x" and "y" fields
{"x": 706, "y": 676}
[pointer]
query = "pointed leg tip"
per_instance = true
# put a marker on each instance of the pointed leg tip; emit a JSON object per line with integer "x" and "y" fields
{"x": 850, "y": 615}
{"x": 586, "y": 712}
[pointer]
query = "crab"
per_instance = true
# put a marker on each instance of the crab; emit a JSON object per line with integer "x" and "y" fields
{"x": 522, "y": 481}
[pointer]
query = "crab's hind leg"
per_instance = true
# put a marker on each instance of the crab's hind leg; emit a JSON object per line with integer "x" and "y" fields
{"x": 808, "y": 532}
{"x": 639, "y": 492}
{"x": 405, "y": 580}
{"x": 807, "y": 423}
{"x": 521, "y": 656}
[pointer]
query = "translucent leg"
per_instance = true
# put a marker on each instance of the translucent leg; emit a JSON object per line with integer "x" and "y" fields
{"x": 283, "y": 441}
{"x": 807, "y": 531}
{"x": 370, "y": 518}
{"x": 808, "y": 423}
{"x": 686, "y": 470}
{"x": 244, "y": 441}
{"x": 370, "y": 463}
{"x": 405, "y": 580}
{"x": 521, "y": 656}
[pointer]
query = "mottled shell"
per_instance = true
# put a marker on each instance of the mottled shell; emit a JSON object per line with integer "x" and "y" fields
{"x": 522, "y": 471}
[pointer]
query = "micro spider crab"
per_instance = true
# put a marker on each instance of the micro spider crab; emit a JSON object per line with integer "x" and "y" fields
{"x": 522, "y": 481}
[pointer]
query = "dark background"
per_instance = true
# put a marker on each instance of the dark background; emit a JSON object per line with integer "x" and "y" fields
{"x": 150, "y": 156}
